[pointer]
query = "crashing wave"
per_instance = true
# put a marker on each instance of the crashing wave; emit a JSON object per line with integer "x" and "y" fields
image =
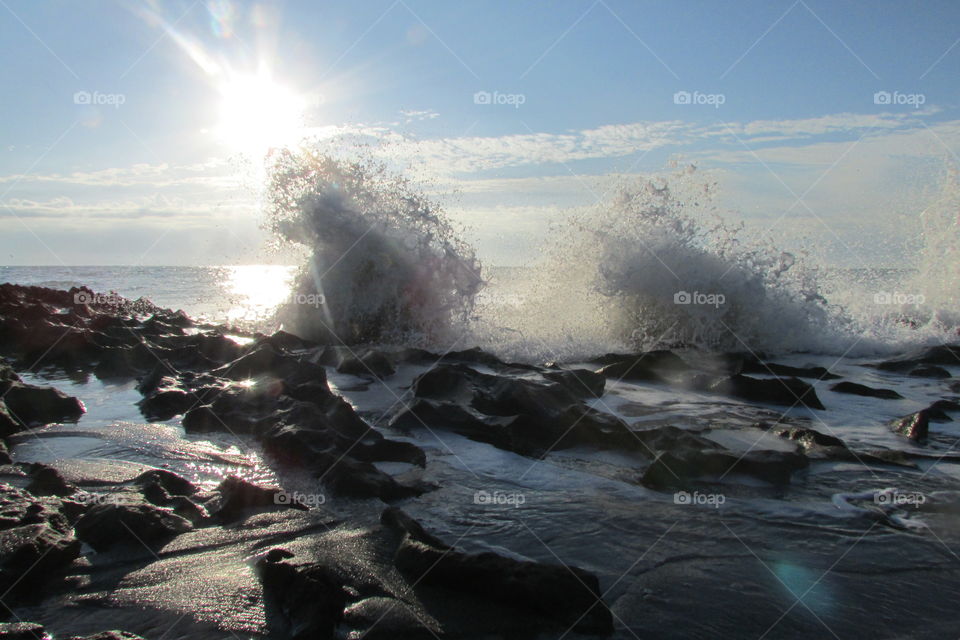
{"x": 383, "y": 263}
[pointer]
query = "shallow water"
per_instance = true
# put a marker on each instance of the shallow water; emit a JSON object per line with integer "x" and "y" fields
{"x": 785, "y": 561}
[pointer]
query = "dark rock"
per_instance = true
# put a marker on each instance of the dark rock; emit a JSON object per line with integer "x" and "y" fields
{"x": 108, "y": 635}
{"x": 940, "y": 410}
{"x": 914, "y": 427}
{"x": 781, "y": 391}
{"x": 303, "y": 602}
{"x": 817, "y": 373}
{"x": 673, "y": 468}
{"x": 238, "y": 496}
{"x": 510, "y": 413}
{"x": 47, "y": 481}
{"x": 938, "y": 355}
{"x": 646, "y": 367}
{"x": 36, "y": 542}
{"x": 4, "y": 452}
{"x": 22, "y": 631}
{"x": 107, "y": 525}
{"x": 582, "y": 383}
{"x": 166, "y": 403}
{"x": 8, "y": 425}
{"x": 171, "y": 483}
{"x": 863, "y": 390}
{"x": 369, "y": 363}
{"x": 33, "y": 406}
{"x": 343, "y": 474}
{"x": 565, "y": 597}
{"x": 946, "y": 405}
{"x": 396, "y": 519}
{"x": 808, "y": 437}
{"x": 930, "y": 371}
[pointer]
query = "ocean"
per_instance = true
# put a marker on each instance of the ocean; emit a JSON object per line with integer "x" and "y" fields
{"x": 822, "y": 520}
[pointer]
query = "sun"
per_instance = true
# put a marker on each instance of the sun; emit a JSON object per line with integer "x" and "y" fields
{"x": 258, "y": 114}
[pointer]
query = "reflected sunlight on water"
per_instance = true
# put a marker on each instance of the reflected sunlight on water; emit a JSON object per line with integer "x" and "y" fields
{"x": 255, "y": 290}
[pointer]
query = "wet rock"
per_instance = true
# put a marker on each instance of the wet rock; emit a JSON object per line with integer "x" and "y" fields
{"x": 238, "y": 496}
{"x": 940, "y": 410}
{"x": 170, "y": 483}
{"x": 385, "y": 618}
{"x": 343, "y": 474}
{"x": 808, "y": 438}
{"x": 510, "y": 413}
{"x": 368, "y": 363}
{"x": 939, "y": 355}
{"x": 36, "y": 542}
{"x": 166, "y": 489}
{"x": 165, "y": 404}
{"x": 780, "y": 391}
{"x": 676, "y": 468}
{"x": 651, "y": 366}
{"x": 47, "y": 481}
{"x": 303, "y": 601}
{"x": 109, "y": 635}
{"x": 863, "y": 390}
{"x": 564, "y": 597}
{"x": 108, "y": 525}
{"x": 22, "y": 631}
{"x": 816, "y": 373}
{"x": 915, "y": 426}
{"x": 930, "y": 371}
{"x": 33, "y": 406}
{"x": 582, "y": 383}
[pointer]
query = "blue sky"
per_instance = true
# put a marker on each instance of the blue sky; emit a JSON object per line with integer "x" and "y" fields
{"x": 798, "y": 141}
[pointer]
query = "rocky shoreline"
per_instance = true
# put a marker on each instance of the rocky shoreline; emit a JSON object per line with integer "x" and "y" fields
{"x": 318, "y": 572}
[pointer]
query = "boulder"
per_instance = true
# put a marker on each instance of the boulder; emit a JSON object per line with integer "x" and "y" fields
{"x": 511, "y": 413}
{"x": 930, "y": 371}
{"x": 780, "y": 391}
{"x": 564, "y": 597}
{"x": 937, "y": 355}
{"x": 36, "y": 542}
{"x": 109, "y": 635}
{"x": 863, "y": 390}
{"x": 914, "y": 427}
{"x": 645, "y": 367}
{"x": 34, "y": 406}
{"x": 47, "y": 481}
{"x": 368, "y": 363}
{"x": 303, "y": 601}
{"x": 677, "y": 468}
{"x": 816, "y": 373}
{"x": 238, "y": 496}
{"x": 582, "y": 383}
{"x": 107, "y": 525}
{"x": 166, "y": 403}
